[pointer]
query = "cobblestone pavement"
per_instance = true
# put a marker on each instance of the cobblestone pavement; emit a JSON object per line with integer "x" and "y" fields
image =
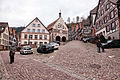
{"x": 28, "y": 68}
{"x": 74, "y": 61}
{"x": 83, "y": 60}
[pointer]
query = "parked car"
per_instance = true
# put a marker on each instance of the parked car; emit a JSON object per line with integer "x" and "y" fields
{"x": 45, "y": 48}
{"x": 56, "y": 45}
{"x": 26, "y": 50}
{"x": 111, "y": 44}
{"x": 58, "y": 42}
{"x": 86, "y": 39}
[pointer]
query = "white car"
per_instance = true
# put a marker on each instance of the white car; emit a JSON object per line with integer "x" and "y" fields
{"x": 26, "y": 50}
{"x": 56, "y": 46}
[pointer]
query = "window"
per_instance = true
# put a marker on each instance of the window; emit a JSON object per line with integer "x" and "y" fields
{"x": 35, "y": 36}
{"x": 45, "y": 42}
{"x": 25, "y": 42}
{"x": 35, "y": 43}
{"x": 111, "y": 15}
{"x": 105, "y": 19}
{"x": 38, "y": 30}
{"x": 38, "y": 25}
{"x": 40, "y": 36}
{"x": 102, "y": 12}
{"x": 107, "y": 28}
{"x": 59, "y": 25}
{"x": 45, "y": 37}
{"x": 107, "y": 6}
{"x": 33, "y": 30}
{"x": 36, "y": 20}
{"x": 33, "y": 25}
{"x": 25, "y": 36}
{"x": 116, "y": 24}
{"x": 41, "y": 43}
{"x": 30, "y": 43}
{"x": 43, "y": 30}
{"x": 30, "y": 36}
{"x": 28, "y": 30}
{"x": 63, "y": 27}
{"x": 112, "y": 26}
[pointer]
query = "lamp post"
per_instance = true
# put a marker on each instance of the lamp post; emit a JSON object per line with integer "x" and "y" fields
{"x": 118, "y": 6}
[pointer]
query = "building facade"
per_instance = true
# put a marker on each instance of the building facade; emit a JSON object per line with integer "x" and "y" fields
{"x": 34, "y": 34}
{"x": 12, "y": 35}
{"x": 107, "y": 21}
{"x": 4, "y": 36}
{"x": 58, "y": 30}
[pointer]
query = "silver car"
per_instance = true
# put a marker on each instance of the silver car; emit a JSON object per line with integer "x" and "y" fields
{"x": 26, "y": 50}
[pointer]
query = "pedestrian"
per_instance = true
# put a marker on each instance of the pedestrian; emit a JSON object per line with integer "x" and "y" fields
{"x": 12, "y": 53}
{"x": 99, "y": 45}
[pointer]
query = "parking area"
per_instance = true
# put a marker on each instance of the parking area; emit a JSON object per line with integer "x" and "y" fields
{"x": 74, "y": 61}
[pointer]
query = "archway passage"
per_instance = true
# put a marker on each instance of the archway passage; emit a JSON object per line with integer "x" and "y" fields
{"x": 57, "y": 38}
{"x": 64, "y": 39}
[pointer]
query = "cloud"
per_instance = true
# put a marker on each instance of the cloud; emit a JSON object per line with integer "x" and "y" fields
{"x": 21, "y": 12}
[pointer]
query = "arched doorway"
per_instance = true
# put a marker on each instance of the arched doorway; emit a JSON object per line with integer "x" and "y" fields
{"x": 64, "y": 39}
{"x": 57, "y": 38}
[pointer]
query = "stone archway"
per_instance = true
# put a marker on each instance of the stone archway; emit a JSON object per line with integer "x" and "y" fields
{"x": 64, "y": 39}
{"x": 57, "y": 38}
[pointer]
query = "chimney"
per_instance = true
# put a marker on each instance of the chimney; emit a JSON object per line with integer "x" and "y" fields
{"x": 60, "y": 14}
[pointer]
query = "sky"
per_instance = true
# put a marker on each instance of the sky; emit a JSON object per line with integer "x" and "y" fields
{"x": 21, "y": 12}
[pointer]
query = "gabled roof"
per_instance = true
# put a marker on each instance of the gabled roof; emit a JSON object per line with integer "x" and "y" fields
{"x": 94, "y": 11}
{"x": 3, "y": 24}
{"x": 32, "y": 21}
{"x": 52, "y": 24}
{"x": 111, "y": 1}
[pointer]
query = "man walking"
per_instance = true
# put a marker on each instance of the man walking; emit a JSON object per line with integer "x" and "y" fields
{"x": 12, "y": 53}
{"x": 99, "y": 45}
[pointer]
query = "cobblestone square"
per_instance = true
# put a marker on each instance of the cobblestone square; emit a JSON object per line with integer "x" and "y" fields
{"x": 74, "y": 61}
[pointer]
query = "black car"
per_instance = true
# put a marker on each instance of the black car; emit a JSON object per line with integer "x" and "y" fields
{"x": 112, "y": 44}
{"x": 45, "y": 48}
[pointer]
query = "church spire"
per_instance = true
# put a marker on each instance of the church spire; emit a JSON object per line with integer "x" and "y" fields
{"x": 60, "y": 14}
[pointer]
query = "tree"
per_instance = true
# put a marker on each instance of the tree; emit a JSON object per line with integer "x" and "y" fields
{"x": 68, "y": 20}
{"x": 77, "y": 19}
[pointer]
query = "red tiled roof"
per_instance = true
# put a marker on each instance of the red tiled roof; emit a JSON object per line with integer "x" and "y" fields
{"x": 52, "y": 24}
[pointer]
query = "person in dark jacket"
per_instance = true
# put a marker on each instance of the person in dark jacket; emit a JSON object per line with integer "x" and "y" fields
{"x": 12, "y": 53}
{"x": 99, "y": 45}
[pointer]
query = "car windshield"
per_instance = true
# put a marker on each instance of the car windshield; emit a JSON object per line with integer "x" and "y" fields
{"x": 27, "y": 48}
